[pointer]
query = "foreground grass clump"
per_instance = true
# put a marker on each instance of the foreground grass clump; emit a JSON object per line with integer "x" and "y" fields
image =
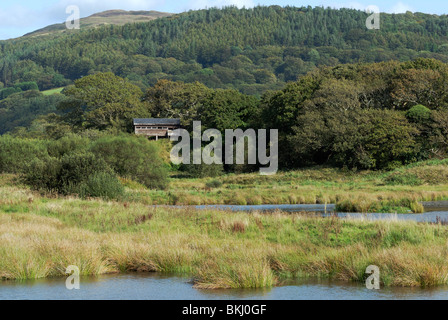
{"x": 34, "y": 247}
{"x": 41, "y": 237}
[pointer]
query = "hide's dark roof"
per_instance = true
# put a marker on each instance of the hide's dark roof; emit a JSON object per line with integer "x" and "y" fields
{"x": 157, "y": 121}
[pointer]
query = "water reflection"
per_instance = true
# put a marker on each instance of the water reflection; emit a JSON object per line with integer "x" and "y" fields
{"x": 434, "y": 210}
{"x": 169, "y": 287}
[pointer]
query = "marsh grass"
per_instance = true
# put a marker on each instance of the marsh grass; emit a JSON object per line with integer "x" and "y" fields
{"x": 236, "y": 271}
{"x": 41, "y": 235}
{"x": 218, "y": 249}
{"x": 416, "y": 207}
{"x": 363, "y": 191}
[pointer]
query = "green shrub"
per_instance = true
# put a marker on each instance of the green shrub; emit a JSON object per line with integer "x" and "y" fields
{"x": 389, "y": 139}
{"x": 101, "y": 185}
{"x": 362, "y": 139}
{"x": 213, "y": 184}
{"x": 203, "y": 170}
{"x": 6, "y": 92}
{"x": 72, "y": 174}
{"x": 346, "y": 206}
{"x": 43, "y": 174}
{"x": 403, "y": 178}
{"x": 244, "y": 167}
{"x": 135, "y": 158}
{"x": 25, "y": 86}
{"x": 418, "y": 114}
{"x": 78, "y": 167}
{"x": 16, "y": 153}
{"x": 417, "y": 207}
{"x": 67, "y": 144}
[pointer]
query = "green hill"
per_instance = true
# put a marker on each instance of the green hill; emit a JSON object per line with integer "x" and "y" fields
{"x": 115, "y": 17}
{"x": 252, "y": 50}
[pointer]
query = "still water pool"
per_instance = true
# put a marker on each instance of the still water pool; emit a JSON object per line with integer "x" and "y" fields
{"x": 434, "y": 210}
{"x": 165, "y": 287}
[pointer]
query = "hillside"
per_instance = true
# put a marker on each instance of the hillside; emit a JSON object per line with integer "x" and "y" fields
{"x": 251, "y": 50}
{"x": 115, "y": 17}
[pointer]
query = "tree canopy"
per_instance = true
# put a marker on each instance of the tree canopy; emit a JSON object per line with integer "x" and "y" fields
{"x": 104, "y": 101}
{"x": 251, "y": 50}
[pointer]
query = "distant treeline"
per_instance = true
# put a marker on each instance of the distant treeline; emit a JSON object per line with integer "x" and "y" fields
{"x": 250, "y": 50}
{"x": 364, "y": 116}
{"x": 357, "y": 116}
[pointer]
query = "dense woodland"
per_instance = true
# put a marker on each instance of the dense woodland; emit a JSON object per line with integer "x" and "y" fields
{"x": 250, "y": 50}
{"x": 355, "y": 98}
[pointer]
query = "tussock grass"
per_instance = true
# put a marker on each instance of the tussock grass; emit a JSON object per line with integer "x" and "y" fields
{"x": 254, "y": 200}
{"x": 416, "y": 207}
{"x": 235, "y": 270}
{"x": 237, "y": 199}
{"x": 34, "y": 247}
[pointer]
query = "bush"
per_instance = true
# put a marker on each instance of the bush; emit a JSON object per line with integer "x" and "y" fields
{"x": 70, "y": 143}
{"x": 74, "y": 173}
{"x": 213, "y": 184}
{"x": 6, "y": 92}
{"x": 418, "y": 114}
{"x": 203, "y": 170}
{"x": 43, "y": 174}
{"x": 25, "y": 86}
{"x": 135, "y": 158}
{"x": 16, "y": 154}
{"x": 101, "y": 185}
{"x": 77, "y": 168}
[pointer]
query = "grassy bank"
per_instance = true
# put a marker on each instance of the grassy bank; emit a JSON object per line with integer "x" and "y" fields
{"x": 353, "y": 191}
{"x": 40, "y": 236}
